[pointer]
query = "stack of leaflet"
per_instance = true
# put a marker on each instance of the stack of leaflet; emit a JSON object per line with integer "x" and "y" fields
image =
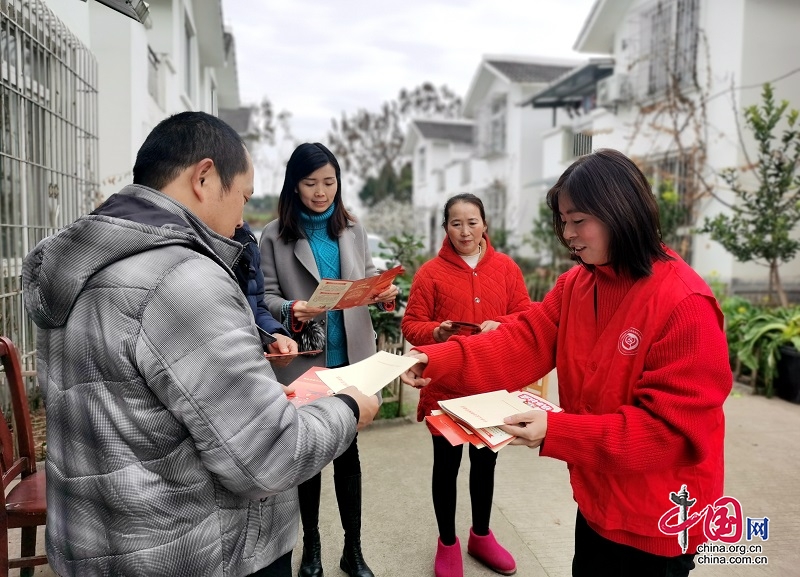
{"x": 475, "y": 419}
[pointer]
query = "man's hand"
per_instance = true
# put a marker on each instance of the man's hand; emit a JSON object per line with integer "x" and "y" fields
{"x": 304, "y": 313}
{"x": 413, "y": 376}
{"x": 367, "y": 405}
{"x": 281, "y": 346}
{"x": 487, "y": 326}
{"x": 529, "y": 428}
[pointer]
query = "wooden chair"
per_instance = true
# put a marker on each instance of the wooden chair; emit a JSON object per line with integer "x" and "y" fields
{"x": 539, "y": 387}
{"x": 25, "y": 506}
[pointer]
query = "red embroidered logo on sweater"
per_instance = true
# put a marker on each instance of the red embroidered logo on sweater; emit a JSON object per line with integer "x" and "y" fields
{"x": 629, "y": 341}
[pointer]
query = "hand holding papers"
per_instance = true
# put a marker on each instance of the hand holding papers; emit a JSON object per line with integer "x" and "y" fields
{"x": 308, "y": 387}
{"x": 482, "y": 415}
{"x": 335, "y": 294}
{"x": 368, "y": 376}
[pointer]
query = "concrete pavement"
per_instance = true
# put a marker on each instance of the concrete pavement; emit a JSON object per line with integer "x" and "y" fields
{"x": 534, "y": 514}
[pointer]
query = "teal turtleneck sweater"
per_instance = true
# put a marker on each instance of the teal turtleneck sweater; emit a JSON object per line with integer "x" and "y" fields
{"x": 326, "y": 254}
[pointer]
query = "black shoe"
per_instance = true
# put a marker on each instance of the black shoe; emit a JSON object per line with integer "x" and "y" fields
{"x": 352, "y": 561}
{"x": 311, "y": 563}
{"x": 348, "y": 495}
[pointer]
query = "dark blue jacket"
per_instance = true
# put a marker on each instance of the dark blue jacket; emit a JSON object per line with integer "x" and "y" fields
{"x": 251, "y": 281}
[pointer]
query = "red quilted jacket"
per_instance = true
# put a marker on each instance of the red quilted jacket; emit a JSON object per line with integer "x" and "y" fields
{"x": 447, "y": 288}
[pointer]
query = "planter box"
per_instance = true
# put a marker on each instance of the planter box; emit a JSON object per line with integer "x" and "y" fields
{"x": 787, "y": 383}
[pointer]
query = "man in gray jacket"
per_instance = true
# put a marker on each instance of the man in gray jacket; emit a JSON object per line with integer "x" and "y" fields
{"x": 172, "y": 449}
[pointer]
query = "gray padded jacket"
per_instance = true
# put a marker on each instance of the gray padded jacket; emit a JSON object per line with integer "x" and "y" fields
{"x": 172, "y": 449}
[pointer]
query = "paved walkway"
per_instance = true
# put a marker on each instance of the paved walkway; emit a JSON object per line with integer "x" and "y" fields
{"x": 534, "y": 514}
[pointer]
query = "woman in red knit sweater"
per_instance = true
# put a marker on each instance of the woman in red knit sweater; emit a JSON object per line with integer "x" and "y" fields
{"x": 467, "y": 281}
{"x": 637, "y": 339}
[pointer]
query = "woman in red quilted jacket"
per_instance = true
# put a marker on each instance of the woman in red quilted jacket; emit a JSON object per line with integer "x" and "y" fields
{"x": 468, "y": 281}
{"x": 637, "y": 338}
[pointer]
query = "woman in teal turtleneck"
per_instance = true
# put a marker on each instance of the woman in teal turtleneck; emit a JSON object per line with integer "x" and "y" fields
{"x": 315, "y": 237}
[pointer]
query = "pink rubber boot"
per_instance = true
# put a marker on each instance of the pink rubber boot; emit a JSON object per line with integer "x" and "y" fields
{"x": 448, "y": 560}
{"x": 488, "y": 551}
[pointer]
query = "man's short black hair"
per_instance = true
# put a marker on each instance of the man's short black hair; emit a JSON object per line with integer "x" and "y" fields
{"x": 184, "y": 139}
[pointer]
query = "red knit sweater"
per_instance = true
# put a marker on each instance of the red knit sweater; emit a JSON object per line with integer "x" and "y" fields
{"x": 447, "y": 288}
{"x": 635, "y": 426}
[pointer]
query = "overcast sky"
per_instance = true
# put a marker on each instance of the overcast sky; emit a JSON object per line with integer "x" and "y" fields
{"x": 317, "y": 58}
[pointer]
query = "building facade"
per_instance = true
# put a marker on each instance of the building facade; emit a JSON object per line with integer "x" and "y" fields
{"x": 82, "y": 85}
{"x": 670, "y": 94}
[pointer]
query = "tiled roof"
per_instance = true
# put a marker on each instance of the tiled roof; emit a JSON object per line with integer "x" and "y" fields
{"x": 529, "y": 72}
{"x": 443, "y": 130}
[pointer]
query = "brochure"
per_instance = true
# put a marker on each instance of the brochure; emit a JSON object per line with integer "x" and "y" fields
{"x": 369, "y": 376}
{"x": 482, "y": 414}
{"x": 308, "y": 387}
{"x": 337, "y": 294}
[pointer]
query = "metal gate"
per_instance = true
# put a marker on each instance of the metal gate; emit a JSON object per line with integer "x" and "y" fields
{"x": 48, "y": 147}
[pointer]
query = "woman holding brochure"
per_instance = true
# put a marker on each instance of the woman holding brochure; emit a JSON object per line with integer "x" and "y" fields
{"x": 315, "y": 237}
{"x": 468, "y": 284}
{"x": 643, "y": 372}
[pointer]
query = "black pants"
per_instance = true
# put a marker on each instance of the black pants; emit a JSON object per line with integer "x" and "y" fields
{"x": 596, "y": 556}
{"x": 281, "y": 567}
{"x": 446, "y": 462}
{"x": 345, "y": 465}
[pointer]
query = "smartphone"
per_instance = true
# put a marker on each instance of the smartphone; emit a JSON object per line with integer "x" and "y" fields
{"x": 266, "y": 338}
{"x": 465, "y": 329}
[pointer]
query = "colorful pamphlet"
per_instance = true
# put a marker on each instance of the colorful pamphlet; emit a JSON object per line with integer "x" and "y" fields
{"x": 481, "y": 415}
{"x": 337, "y": 294}
{"x": 308, "y": 387}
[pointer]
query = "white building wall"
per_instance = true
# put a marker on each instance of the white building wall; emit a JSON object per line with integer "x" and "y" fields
{"x": 74, "y": 15}
{"x": 126, "y": 111}
{"x": 744, "y": 43}
{"x": 120, "y": 47}
{"x": 534, "y": 124}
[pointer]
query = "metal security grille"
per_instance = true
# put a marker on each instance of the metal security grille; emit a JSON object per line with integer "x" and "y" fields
{"x": 48, "y": 145}
{"x": 581, "y": 144}
{"x": 668, "y": 40}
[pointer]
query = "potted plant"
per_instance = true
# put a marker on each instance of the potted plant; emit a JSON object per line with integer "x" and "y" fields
{"x": 770, "y": 342}
{"x": 738, "y": 313}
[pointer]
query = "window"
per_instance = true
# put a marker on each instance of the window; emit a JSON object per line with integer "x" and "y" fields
{"x": 494, "y": 201}
{"x": 669, "y": 32}
{"x": 213, "y": 99}
{"x": 421, "y": 164}
{"x": 581, "y": 144}
{"x": 440, "y": 180}
{"x": 466, "y": 174}
{"x": 152, "y": 75}
{"x": 188, "y": 60}
{"x": 673, "y": 187}
{"x": 497, "y": 125}
{"x": 492, "y": 127}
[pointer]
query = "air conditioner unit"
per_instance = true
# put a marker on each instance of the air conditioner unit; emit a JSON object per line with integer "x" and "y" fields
{"x": 613, "y": 90}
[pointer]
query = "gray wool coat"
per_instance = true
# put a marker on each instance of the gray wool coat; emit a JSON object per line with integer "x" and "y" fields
{"x": 290, "y": 273}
